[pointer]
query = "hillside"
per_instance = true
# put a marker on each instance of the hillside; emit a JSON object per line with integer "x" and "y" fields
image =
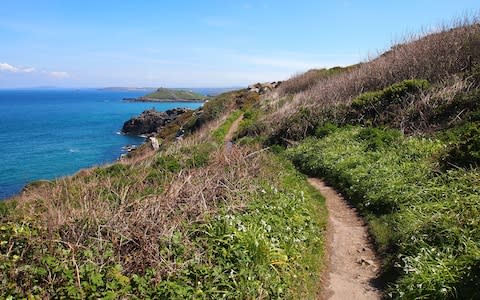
{"x": 164, "y": 94}
{"x": 229, "y": 213}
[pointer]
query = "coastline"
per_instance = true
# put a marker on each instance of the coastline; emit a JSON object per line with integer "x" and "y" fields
{"x": 156, "y": 100}
{"x": 124, "y": 151}
{"x": 63, "y": 153}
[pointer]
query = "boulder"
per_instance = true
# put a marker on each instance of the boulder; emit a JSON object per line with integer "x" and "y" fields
{"x": 151, "y": 121}
{"x": 154, "y": 142}
{"x": 262, "y": 88}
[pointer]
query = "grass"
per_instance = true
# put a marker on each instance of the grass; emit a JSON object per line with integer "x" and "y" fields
{"x": 197, "y": 221}
{"x": 425, "y": 222}
{"x": 435, "y": 57}
{"x": 189, "y": 222}
{"x": 221, "y": 132}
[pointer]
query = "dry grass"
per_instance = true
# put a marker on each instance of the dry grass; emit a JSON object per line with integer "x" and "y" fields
{"x": 134, "y": 211}
{"x": 90, "y": 210}
{"x": 434, "y": 57}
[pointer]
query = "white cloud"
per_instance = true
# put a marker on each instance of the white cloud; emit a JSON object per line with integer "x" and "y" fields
{"x": 5, "y": 67}
{"x": 58, "y": 74}
{"x": 9, "y": 68}
{"x": 29, "y": 70}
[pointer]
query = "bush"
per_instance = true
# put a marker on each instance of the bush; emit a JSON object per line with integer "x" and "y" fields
{"x": 250, "y": 125}
{"x": 389, "y": 95}
{"x": 378, "y": 138}
{"x": 465, "y": 150}
{"x": 325, "y": 130}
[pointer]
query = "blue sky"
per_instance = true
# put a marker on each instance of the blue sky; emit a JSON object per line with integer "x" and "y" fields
{"x": 199, "y": 43}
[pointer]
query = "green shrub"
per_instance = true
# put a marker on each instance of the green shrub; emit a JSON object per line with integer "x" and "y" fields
{"x": 250, "y": 125}
{"x": 168, "y": 163}
{"x": 325, "y": 130}
{"x": 114, "y": 170}
{"x": 390, "y": 94}
{"x": 199, "y": 154}
{"x": 463, "y": 107}
{"x": 378, "y": 138}
{"x": 465, "y": 150}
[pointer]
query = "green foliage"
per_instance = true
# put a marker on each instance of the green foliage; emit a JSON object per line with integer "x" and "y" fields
{"x": 168, "y": 163}
{"x": 390, "y": 94}
{"x": 220, "y": 133}
{"x": 114, "y": 170}
{"x": 464, "y": 151}
{"x": 386, "y": 107}
{"x": 425, "y": 223}
{"x": 466, "y": 105}
{"x": 217, "y": 106}
{"x": 325, "y": 129}
{"x": 299, "y": 125}
{"x": 378, "y": 138}
{"x": 270, "y": 247}
{"x": 250, "y": 125}
{"x": 6, "y": 207}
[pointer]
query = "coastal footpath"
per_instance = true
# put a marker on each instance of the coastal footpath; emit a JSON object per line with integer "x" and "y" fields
{"x": 227, "y": 211}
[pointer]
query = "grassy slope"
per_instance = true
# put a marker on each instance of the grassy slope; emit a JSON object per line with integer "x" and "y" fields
{"x": 172, "y": 94}
{"x": 191, "y": 221}
{"x": 426, "y": 223}
{"x": 417, "y": 183}
{"x": 195, "y": 221}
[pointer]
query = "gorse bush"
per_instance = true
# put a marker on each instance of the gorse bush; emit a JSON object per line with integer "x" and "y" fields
{"x": 425, "y": 223}
{"x": 390, "y": 94}
{"x": 250, "y": 125}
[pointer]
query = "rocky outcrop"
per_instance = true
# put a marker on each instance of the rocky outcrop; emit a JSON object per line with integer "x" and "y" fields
{"x": 151, "y": 121}
{"x": 262, "y": 88}
{"x": 154, "y": 142}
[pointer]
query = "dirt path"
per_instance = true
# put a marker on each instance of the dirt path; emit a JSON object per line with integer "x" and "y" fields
{"x": 233, "y": 129}
{"x": 352, "y": 266}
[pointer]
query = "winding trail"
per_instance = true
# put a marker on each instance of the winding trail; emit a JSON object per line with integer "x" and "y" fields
{"x": 352, "y": 267}
{"x": 233, "y": 129}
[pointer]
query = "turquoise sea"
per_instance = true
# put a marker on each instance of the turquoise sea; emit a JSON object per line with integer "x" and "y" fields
{"x": 46, "y": 134}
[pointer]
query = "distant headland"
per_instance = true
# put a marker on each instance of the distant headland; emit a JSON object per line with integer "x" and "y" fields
{"x": 165, "y": 95}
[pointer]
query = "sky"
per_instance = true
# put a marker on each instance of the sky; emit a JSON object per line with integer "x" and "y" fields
{"x": 200, "y": 43}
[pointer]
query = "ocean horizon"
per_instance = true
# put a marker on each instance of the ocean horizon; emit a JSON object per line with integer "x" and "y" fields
{"x": 50, "y": 133}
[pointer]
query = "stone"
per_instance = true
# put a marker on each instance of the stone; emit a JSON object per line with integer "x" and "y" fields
{"x": 151, "y": 121}
{"x": 154, "y": 142}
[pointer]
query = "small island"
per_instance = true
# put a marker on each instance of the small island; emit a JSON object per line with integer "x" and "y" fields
{"x": 169, "y": 95}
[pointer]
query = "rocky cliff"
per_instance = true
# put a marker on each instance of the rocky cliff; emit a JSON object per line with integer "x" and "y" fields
{"x": 151, "y": 121}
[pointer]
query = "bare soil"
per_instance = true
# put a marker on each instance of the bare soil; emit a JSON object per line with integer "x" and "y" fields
{"x": 233, "y": 129}
{"x": 353, "y": 266}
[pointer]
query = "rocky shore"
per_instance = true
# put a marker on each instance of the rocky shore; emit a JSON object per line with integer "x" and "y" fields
{"x": 150, "y": 122}
{"x": 148, "y": 99}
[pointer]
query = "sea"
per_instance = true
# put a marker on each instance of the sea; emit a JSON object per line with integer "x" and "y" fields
{"x": 49, "y": 133}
